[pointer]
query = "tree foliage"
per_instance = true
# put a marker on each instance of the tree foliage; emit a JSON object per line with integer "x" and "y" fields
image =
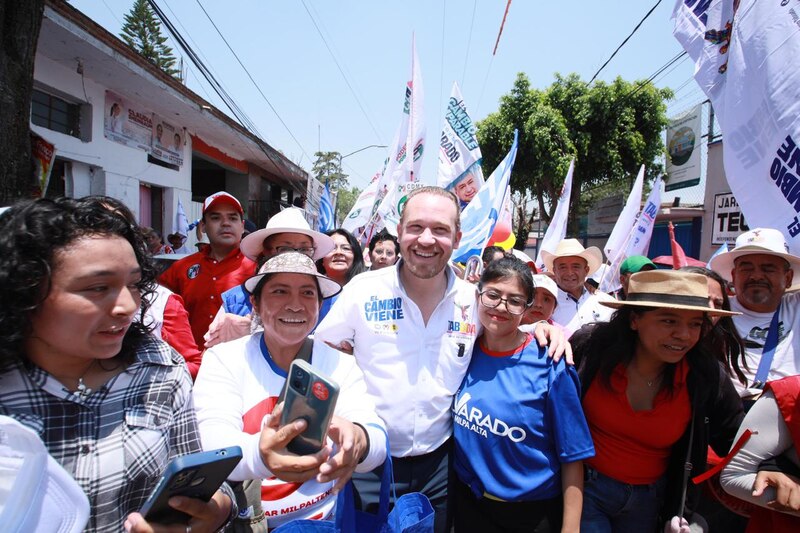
{"x": 345, "y": 201}
{"x": 610, "y": 129}
{"x": 142, "y": 32}
{"x": 328, "y": 168}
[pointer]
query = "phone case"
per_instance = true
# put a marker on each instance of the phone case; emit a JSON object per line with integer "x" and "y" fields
{"x": 310, "y": 395}
{"x": 197, "y": 475}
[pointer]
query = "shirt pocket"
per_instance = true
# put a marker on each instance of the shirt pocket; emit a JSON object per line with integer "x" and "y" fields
{"x": 145, "y": 441}
{"x": 452, "y": 362}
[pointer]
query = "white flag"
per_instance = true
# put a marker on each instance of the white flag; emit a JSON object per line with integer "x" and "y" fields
{"x": 181, "y": 222}
{"x": 361, "y": 211}
{"x": 636, "y": 242}
{"x": 627, "y": 218}
{"x": 557, "y": 229}
{"x": 746, "y": 61}
{"x": 459, "y": 154}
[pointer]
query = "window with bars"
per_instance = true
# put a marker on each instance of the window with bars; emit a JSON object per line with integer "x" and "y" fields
{"x": 55, "y": 114}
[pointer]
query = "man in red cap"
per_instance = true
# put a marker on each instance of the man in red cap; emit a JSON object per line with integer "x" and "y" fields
{"x": 202, "y": 277}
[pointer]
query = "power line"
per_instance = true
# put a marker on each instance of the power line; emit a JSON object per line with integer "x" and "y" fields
{"x": 338, "y": 66}
{"x": 625, "y": 41}
{"x": 253, "y": 80}
{"x": 469, "y": 42}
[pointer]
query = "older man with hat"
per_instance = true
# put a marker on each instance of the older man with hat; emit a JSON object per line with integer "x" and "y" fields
{"x": 287, "y": 231}
{"x": 201, "y": 278}
{"x": 571, "y": 263}
{"x": 762, "y": 268}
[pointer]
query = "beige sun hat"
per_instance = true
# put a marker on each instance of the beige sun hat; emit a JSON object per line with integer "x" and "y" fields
{"x": 294, "y": 263}
{"x": 290, "y": 220}
{"x": 668, "y": 289}
{"x": 767, "y": 241}
{"x": 573, "y": 248}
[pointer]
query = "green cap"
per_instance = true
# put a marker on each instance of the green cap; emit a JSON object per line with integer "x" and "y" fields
{"x": 636, "y": 263}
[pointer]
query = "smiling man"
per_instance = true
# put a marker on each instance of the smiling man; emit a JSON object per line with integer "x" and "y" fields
{"x": 761, "y": 269}
{"x": 202, "y": 277}
{"x": 571, "y": 263}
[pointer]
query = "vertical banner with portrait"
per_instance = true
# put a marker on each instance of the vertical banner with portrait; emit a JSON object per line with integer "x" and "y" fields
{"x": 168, "y": 141}
{"x": 43, "y": 154}
{"x": 126, "y": 123}
{"x": 683, "y": 149}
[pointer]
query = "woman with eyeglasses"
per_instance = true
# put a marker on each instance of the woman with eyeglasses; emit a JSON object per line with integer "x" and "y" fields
{"x": 520, "y": 434}
{"x": 342, "y": 264}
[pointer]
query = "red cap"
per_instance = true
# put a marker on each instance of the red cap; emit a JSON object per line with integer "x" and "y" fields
{"x": 222, "y": 198}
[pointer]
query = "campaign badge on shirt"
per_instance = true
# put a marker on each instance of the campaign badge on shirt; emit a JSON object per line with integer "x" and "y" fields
{"x": 193, "y": 271}
{"x": 462, "y": 326}
{"x": 383, "y": 313}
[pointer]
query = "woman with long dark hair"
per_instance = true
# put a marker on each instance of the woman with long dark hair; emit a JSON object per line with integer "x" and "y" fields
{"x": 655, "y": 397}
{"x": 111, "y": 403}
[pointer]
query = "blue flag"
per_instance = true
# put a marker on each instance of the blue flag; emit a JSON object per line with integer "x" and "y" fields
{"x": 326, "y": 221}
{"x": 480, "y": 216}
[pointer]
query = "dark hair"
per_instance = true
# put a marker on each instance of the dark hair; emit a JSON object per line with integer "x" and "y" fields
{"x": 382, "y": 236}
{"x": 435, "y": 191}
{"x": 724, "y": 331}
{"x": 613, "y": 343}
{"x": 358, "y": 254}
{"x": 31, "y": 233}
{"x": 509, "y": 267}
{"x": 488, "y": 253}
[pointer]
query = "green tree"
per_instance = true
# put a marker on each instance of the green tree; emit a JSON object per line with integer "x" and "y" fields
{"x": 610, "y": 129}
{"x": 142, "y": 32}
{"x": 345, "y": 201}
{"x": 328, "y": 168}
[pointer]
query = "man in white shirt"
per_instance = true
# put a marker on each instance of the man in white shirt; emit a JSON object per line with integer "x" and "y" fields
{"x": 571, "y": 263}
{"x": 761, "y": 269}
{"x": 412, "y": 326}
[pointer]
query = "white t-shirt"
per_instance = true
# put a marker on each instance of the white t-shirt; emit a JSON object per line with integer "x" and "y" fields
{"x": 412, "y": 370}
{"x": 572, "y": 314}
{"x": 753, "y": 327}
{"x": 237, "y": 386}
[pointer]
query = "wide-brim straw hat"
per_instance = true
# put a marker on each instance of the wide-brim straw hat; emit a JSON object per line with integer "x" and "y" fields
{"x": 290, "y": 220}
{"x": 294, "y": 263}
{"x": 668, "y": 289}
{"x": 573, "y": 248}
{"x": 766, "y": 241}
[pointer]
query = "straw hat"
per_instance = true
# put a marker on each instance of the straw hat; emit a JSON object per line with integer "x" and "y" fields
{"x": 668, "y": 289}
{"x": 758, "y": 241}
{"x": 294, "y": 263}
{"x": 573, "y": 248}
{"x": 290, "y": 220}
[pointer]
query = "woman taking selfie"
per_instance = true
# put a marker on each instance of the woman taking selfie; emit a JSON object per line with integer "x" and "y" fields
{"x": 653, "y": 383}
{"x": 519, "y": 429}
{"x": 237, "y": 392}
{"x": 111, "y": 403}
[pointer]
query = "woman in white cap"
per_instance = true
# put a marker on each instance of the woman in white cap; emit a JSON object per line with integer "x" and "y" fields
{"x": 237, "y": 391}
{"x": 655, "y": 396}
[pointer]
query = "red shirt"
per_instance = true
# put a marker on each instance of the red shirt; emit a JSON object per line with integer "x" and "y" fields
{"x": 200, "y": 280}
{"x": 634, "y": 446}
{"x": 177, "y": 332}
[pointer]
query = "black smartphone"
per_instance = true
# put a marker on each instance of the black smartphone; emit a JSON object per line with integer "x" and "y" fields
{"x": 197, "y": 475}
{"x": 309, "y": 395}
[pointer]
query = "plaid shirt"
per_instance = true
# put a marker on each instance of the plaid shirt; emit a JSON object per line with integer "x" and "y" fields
{"x": 117, "y": 441}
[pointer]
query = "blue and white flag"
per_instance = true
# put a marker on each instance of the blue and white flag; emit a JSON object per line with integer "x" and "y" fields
{"x": 181, "y": 222}
{"x": 480, "y": 216}
{"x": 326, "y": 220}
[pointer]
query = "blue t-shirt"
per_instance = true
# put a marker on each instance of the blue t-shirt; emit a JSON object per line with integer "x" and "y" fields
{"x": 516, "y": 418}
{"x": 236, "y": 300}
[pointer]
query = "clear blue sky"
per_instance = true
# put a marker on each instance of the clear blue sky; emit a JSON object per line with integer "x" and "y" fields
{"x": 280, "y": 46}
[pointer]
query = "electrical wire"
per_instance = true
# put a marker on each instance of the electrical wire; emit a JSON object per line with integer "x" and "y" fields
{"x": 341, "y": 71}
{"x": 469, "y": 42}
{"x": 625, "y": 41}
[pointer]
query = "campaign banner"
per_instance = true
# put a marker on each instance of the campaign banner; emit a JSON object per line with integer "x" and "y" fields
{"x": 627, "y": 218}
{"x": 683, "y": 149}
{"x": 359, "y": 215}
{"x": 459, "y": 154}
{"x": 43, "y": 154}
{"x": 126, "y": 123}
{"x": 746, "y": 54}
{"x": 168, "y": 141}
{"x": 729, "y": 220}
{"x": 557, "y": 229}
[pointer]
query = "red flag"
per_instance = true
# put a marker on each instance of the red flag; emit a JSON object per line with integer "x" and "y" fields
{"x": 678, "y": 255}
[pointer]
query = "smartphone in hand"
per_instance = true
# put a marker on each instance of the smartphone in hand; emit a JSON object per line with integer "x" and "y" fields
{"x": 309, "y": 395}
{"x": 196, "y": 475}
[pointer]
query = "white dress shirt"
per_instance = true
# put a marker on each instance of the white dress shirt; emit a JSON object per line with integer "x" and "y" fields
{"x": 572, "y": 314}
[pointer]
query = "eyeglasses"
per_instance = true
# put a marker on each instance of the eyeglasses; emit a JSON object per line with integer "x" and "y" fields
{"x": 514, "y": 304}
{"x": 344, "y": 248}
{"x": 306, "y": 250}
